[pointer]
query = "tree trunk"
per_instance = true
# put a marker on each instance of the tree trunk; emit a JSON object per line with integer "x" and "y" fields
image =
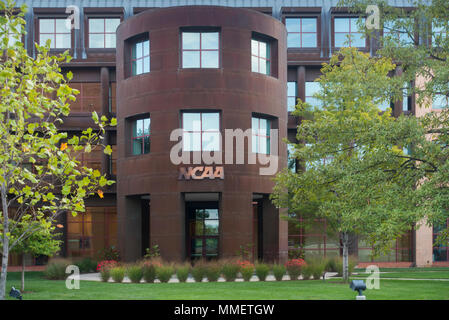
{"x": 345, "y": 242}
{"x": 5, "y": 244}
{"x": 22, "y": 287}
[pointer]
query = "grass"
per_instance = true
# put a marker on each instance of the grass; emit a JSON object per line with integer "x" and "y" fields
{"x": 42, "y": 289}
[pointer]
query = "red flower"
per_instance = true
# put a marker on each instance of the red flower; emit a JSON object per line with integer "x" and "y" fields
{"x": 106, "y": 264}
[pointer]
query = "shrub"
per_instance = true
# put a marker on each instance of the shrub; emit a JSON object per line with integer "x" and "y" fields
{"x": 110, "y": 253}
{"x": 182, "y": 272}
{"x": 164, "y": 273}
{"x": 318, "y": 268}
{"x": 307, "y": 271}
{"x": 262, "y": 271}
{"x": 55, "y": 269}
{"x": 331, "y": 265}
{"x": 247, "y": 271}
{"x": 294, "y": 267}
{"x": 149, "y": 270}
{"x": 199, "y": 271}
{"x": 118, "y": 274}
{"x": 213, "y": 271}
{"x": 230, "y": 270}
{"x": 135, "y": 273}
{"x": 278, "y": 271}
{"x": 87, "y": 265}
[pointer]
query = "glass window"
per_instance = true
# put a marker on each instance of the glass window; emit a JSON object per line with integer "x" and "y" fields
{"x": 140, "y": 57}
{"x": 348, "y": 27}
{"x": 201, "y": 131}
{"x": 291, "y": 95}
{"x": 56, "y": 31}
{"x": 102, "y": 32}
{"x": 312, "y": 88}
{"x": 12, "y": 37}
{"x": 291, "y": 161}
{"x": 141, "y": 136}
{"x": 203, "y": 232}
{"x": 301, "y": 32}
{"x": 261, "y": 135}
{"x": 200, "y": 49}
{"x": 260, "y": 57}
{"x": 384, "y": 105}
{"x": 439, "y": 33}
{"x": 397, "y": 31}
{"x": 440, "y": 101}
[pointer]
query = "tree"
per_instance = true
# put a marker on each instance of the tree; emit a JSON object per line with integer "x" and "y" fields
{"x": 41, "y": 242}
{"x": 356, "y": 174}
{"x": 40, "y": 176}
{"x": 418, "y": 41}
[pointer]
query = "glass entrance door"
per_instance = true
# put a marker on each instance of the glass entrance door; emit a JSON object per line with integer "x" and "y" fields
{"x": 203, "y": 232}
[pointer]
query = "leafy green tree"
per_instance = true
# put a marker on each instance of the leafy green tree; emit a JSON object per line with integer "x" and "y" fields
{"x": 40, "y": 176}
{"x": 356, "y": 174}
{"x": 42, "y": 242}
{"x": 418, "y": 41}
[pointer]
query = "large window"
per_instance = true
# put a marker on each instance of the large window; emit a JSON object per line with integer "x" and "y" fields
{"x": 439, "y": 33}
{"x": 440, "y": 251}
{"x": 141, "y": 136}
{"x": 400, "y": 250}
{"x": 203, "y": 232}
{"x": 291, "y": 160}
{"x": 301, "y": 32}
{"x": 260, "y": 56}
{"x": 399, "y": 31}
{"x": 102, "y": 32}
{"x": 200, "y": 49}
{"x": 12, "y": 37}
{"x": 201, "y": 131}
{"x": 261, "y": 135}
{"x": 311, "y": 89}
{"x": 91, "y": 231}
{"x": 345, "y": 28}
{"x": 56, "y": 31}
{"x": 291, "y": 95}
{"x": 312, "y": 238}
{"x": 140, "y": 57}
{"x": 440, "y": 101}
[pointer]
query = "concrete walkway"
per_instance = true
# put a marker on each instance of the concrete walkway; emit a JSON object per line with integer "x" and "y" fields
{"x": 174, "y": 279}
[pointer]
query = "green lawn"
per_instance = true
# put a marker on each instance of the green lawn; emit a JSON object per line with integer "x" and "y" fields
{"x": 39, "y": 288}
{"x": 411, "y": 273}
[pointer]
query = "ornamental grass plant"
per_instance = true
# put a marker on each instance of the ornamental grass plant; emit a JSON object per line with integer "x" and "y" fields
{"x": 262, "y": 271}
{"x": 278, "y": 271}
{"x": 135, "y": 273}
{"x": 165, "y": 272}
{"x": 182, "y": 271}
{"x": 118, "y": 274}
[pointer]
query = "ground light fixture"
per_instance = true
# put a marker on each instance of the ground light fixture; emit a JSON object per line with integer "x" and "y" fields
{"x": 358, "y": 285}
{"x": 14, "y": 293}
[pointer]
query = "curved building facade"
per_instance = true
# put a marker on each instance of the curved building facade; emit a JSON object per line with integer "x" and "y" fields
{"x": 218, "y": 75}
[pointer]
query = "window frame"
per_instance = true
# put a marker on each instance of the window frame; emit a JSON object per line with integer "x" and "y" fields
{"x": 295, "y": 96}
{"x": 336, "y": 16}
{"x": 317, "y": 32}
{"x": 54, "y": 17}
{"x": 104, "y": 33}
{"x": 133, "y": 122}
{"x": 259, "y": 137}
{"x": 100, "y": 13}
{"x": 397, "y": 33}
{"x": 199, "y": 30}
{"x": 140, "y": 59}
{"x": 200, "y": 112}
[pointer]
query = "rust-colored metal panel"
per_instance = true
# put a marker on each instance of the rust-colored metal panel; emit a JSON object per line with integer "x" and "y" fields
{"x": 232, "y": 89}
